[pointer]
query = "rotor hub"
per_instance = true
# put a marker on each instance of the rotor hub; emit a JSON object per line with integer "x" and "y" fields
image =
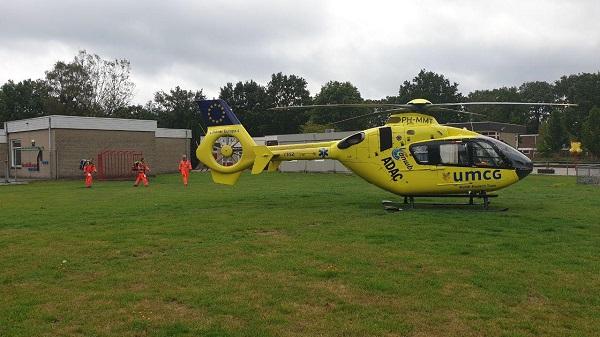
{"x": 226, "y": 150}
{"x": 419, "y": 101}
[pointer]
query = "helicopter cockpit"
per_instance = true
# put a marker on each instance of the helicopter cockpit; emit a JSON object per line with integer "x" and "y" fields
{"x": 484, "y": 152}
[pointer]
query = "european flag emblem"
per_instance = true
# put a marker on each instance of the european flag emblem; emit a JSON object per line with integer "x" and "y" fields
{"x": 323, "y": 153}
{"x": 216, "y": 112}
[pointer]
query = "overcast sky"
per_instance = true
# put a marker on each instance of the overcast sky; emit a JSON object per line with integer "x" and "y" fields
{"x": 376, "y": 45}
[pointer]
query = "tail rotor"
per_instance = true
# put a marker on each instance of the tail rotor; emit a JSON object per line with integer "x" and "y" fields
{"x": 227, "y": 148}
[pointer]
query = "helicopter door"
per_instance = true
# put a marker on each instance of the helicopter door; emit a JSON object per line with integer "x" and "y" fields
{"x": 373, "y": 145}
{"x": 451, "y": 156}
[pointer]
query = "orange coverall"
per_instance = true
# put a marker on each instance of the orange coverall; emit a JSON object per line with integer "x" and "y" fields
{"x": 184, "y": 167}
{"x": 88, "y": 170}
{"x": 141, "y": 169}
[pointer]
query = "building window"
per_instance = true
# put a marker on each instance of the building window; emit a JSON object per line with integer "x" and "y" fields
{"x": 15, "y": 146}
{"x": 491, "y": 134}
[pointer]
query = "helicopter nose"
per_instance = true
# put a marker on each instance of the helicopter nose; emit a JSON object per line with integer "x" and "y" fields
{"x": 523, "y": 167}
{"x": 520, "y": 163}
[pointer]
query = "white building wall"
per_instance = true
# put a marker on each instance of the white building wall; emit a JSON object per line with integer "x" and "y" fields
{"x": 173, "y": 133}
{"x": 82, "y": 123}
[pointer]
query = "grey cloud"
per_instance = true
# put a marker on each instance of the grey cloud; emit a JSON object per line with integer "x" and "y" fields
{"x": 205, "y": 44}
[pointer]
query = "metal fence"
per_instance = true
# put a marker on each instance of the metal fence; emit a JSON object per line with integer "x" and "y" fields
{"x": 115, "y": 164}
{"x": 588, "y": 174}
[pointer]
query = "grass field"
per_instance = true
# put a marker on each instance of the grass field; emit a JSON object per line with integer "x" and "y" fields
{"x": 295, "y": 255}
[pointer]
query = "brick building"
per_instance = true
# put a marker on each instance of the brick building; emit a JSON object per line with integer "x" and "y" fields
{"x": 528, "y": 144}
{"x": 505, "y": 132}
{"x": 51, "y": 147}
{"x": 3, "y": 153}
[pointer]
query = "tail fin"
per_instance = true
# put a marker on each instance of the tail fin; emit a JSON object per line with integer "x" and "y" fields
{"x": 227, "y": 149}
{"x": 263, "y": 158}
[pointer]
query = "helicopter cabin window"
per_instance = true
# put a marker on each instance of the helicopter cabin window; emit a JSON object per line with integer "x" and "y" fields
{"x": 454, "y": 154}
{"x": 470, "y": 152}
{"x": 441, "y": 153}
{"x": 420, "y": 153}
{"x": 444, "y": 153}
{"x": 351, "y": 140}
{"x": 385, "y": 138}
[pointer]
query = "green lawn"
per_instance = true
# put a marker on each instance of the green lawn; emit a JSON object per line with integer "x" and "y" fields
{"x": 295, "y": 255}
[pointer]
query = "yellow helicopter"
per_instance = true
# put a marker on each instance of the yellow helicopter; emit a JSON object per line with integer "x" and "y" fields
{"x": 411, "y": 155}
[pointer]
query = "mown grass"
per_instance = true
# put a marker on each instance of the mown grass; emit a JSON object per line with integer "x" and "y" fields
{"x": 295, "y": 255}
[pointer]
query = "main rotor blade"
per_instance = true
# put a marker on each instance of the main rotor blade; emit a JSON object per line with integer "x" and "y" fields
{"x": 453, "y": 110}
{"x": 371, "y": 114}
{"x": 502, "y": 103}
{"x": 416, "y": 107}
{"x": 436, "y": 109}
{"x": 347, "y": 105}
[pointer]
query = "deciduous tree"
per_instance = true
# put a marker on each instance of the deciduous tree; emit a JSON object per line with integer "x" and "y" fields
{"x": 90, "y": 85}
{"x": 499, "y": 113}
{"x": 433, "y": 87}
{"x": 25, "y": 99}
{"x": 286, "y": 90}
{"x": 582, "y": 89}
{"x": 591, "y": 132}
{"x": 249, "y": 101}
{"x": 552, "y": 134}
{"x": 537, "y": 91}
{"x": 178, "y": 109}
{"x": 335, "y": 92}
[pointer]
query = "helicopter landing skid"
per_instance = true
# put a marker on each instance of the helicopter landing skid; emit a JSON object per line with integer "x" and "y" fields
{"x": 409, "y": 202}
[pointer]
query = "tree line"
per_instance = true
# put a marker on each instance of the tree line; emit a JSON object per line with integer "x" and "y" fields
{"x": 92, "y": 86}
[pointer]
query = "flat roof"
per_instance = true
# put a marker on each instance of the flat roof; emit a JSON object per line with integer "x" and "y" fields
{"x": 94, "y": 123}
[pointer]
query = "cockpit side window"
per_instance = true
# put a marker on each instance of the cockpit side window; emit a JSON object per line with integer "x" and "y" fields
{"x": 351, "y": 140}
{"x": 483, "y": 154}
{"x": 420, "y": 153}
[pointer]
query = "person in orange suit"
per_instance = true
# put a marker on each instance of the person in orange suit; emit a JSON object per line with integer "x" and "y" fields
{"x": 184, "y": 167}
{"x": 141, "y": 168}
{"x": 88, "y": 169}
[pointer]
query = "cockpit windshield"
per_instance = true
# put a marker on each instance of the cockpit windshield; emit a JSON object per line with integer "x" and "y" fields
{"x": 511, "y": 154}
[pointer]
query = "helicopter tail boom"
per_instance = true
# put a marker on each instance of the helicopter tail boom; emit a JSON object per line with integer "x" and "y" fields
{"x": 228, "y": 149}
